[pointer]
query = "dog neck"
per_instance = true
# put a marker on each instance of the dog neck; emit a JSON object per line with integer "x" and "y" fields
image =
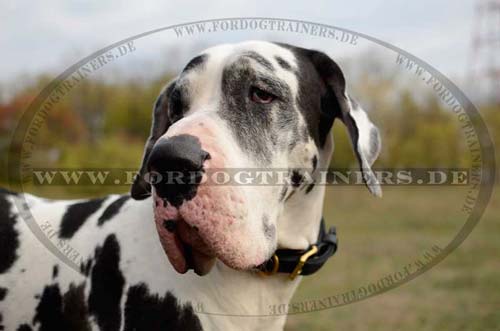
{"x": 238, "y": 295}
{"x": 231, "y": 292}
{"x": 242, "y": 300}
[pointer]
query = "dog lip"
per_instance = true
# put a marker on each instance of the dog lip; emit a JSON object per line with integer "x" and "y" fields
{"x": 197, "y": 254}
{"x": 185, "y": 247}
{"x": 190, "y": 235}
{"x": 217, "y": 237}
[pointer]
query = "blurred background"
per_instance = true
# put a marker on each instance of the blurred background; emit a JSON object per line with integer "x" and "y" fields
{"x": 105, "y": 119}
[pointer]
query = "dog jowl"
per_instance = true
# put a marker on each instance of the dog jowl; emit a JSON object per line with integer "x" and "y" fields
{"x": 251, "y": 105}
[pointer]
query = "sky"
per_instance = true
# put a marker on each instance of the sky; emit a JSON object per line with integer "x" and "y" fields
{"x": 49, "y": 36}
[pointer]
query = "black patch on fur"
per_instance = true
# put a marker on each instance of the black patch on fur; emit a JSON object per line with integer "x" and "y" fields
{"x": 329, "y": 103}
{"x": 309, "y": 188}
{"x": 107, "y": 285}
{"x": 76, "y": 215}
{"x": 284, "y": 64}
{"x": 269, "y": 229}
{"x": 55, "y": 271}
{"x": 85, "y": 267}
{"x": 112, "y": 209}
{"x": 62, "y": 312}
{"x": 318, "y": 76}
{"x": 3, "y": 293}
{"x": 315, "y": 162}
{"x": 297, "y": 178}
{"x": 9, "y": 240}
{"x": 24, "y": 327}
{"x": 49, "y": 312}
{"x": 309, "y": 91}
{"x": 150, "y": 312}
{"x": 195, "y": 62}
{"x": 75, "y": 308}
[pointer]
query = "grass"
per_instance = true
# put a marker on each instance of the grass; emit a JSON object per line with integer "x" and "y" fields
{"x": 380, "y": 236}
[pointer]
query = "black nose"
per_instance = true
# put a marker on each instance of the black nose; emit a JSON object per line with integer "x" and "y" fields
{"x": 176, "y": 167}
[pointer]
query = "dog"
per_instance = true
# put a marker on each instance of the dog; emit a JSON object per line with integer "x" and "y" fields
{"x": 191, "y": 256}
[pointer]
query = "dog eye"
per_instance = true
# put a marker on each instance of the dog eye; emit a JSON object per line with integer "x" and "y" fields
{"x": 258, "y": 95}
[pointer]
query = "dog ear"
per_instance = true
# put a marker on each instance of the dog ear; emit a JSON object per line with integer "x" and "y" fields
{"x": 336, "y": 103}
{"x": 141, "y": 189}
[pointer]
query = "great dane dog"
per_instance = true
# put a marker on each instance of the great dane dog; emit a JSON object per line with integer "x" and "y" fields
{"x": 248, "y": 105}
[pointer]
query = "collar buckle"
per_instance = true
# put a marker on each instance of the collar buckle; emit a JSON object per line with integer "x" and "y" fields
{"x": 302, "y": 260}
{"x": 276, "y": 265}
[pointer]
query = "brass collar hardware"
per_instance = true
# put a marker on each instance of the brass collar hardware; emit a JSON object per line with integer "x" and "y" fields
{"x": 302, "y": 261}
{"x": 276, "y": 265}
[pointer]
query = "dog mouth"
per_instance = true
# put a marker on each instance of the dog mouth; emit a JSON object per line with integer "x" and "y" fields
{"x": 212, "y": 225}
{"x": 189, "y": 250}
{"x": 183, "y": 245}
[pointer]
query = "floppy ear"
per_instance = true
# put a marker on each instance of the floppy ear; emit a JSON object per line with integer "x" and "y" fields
{"x": 141, "y": 189}
{"x": 335, "y": 104}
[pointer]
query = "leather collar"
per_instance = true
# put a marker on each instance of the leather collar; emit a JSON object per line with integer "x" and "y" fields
{"x": 303, "y": 262}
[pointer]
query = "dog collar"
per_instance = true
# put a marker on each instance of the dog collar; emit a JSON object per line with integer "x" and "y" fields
{"x": 303, "y": 262}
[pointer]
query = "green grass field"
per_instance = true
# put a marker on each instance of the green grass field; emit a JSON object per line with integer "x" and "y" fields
{"x": 380, "y": 236}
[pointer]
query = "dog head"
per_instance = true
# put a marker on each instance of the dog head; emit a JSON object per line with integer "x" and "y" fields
{"x": 252, "y": 105}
